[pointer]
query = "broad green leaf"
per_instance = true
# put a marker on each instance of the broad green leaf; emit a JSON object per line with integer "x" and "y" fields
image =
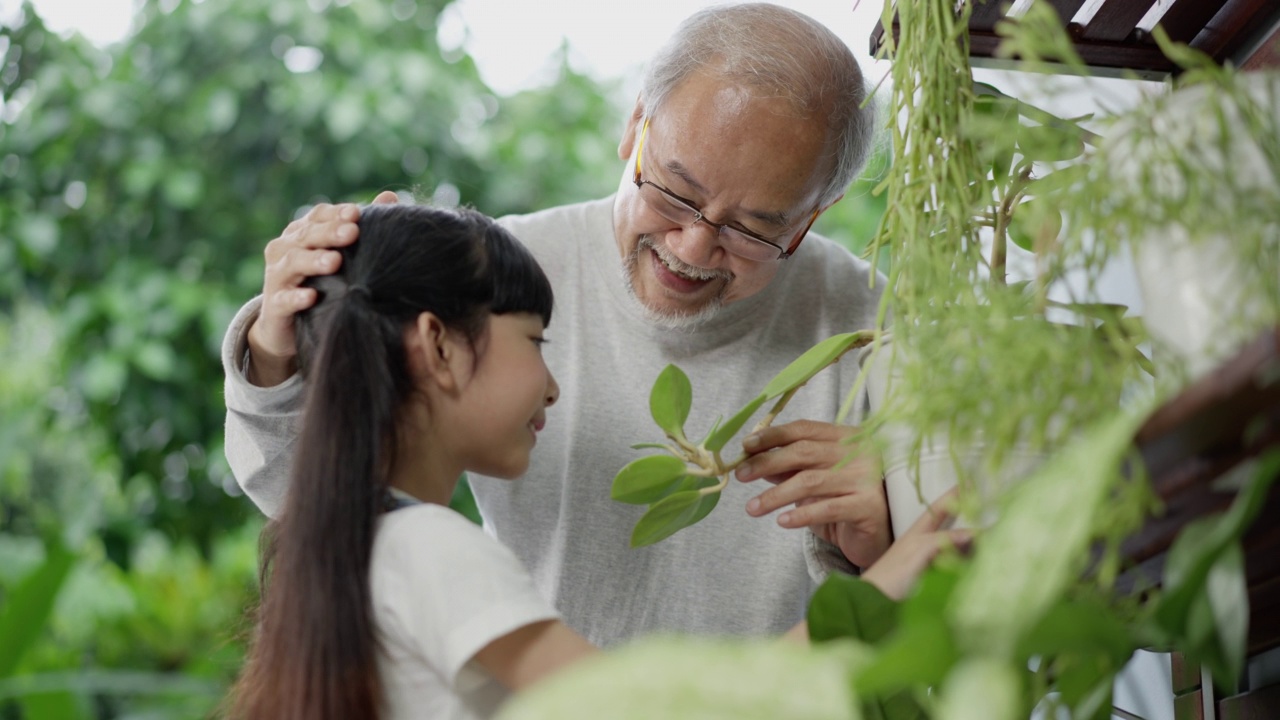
{"x": 723, "y": 432}
{"x": 918, "y": 654}
{"x": 28, "y": 606}
{"x": 1228, "y": 595}
{"x": 1033, "y": 221}
{"x": 675, "y": 677}
{"x": 848, "y": 607}
{"x": 1032, "y": 554}
{"x": 931, "y": 595}
{"x": 1057, "y": 180}
{"x": 62, "y": 705}
{"x": 812, "y": 362}
{"x": 1078, "y": 626}
{"x": 672, "y": 514}
{"x": 981, "y": 689}
{"x": 645, "y": 480}
{"x": 987, "y": 90}
{"x": 995, "y": 130}
{"x": 1085, "y": 682}
{"x": 670, "y": 400}
{"x": 1043, "y": 143}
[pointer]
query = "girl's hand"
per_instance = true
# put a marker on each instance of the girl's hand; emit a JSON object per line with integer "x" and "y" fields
{"x": 896, "y": 572}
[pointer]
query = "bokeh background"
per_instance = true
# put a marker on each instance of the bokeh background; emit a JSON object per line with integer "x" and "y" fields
{"x": 140, "y": 178}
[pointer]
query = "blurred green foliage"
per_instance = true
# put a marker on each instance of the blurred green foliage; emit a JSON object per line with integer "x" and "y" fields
{"x": 139, "y": 184}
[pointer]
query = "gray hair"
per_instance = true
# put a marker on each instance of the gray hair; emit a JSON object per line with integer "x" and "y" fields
{"x": 781, "y": 52}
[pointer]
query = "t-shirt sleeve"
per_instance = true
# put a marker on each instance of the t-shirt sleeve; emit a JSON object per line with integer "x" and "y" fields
{"x": 444, "y": 589}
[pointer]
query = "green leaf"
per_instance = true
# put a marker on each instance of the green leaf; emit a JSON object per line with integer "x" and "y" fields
{"x": 917, "y": 654}
{"x": 1228, "y": 595}
{"x": 646, "y": 480}
{"x": 812, "y": 362}
{"x": 995, "y": 129}
{"x": 1085, "y": 682}
{"x": 670, "y": 400}
{"x": 1079, "y": 626}
{"x": 848, "y": 607}
{"x": 1032, "y": 221}
{"x": 724, "y": 432}
{"x": 981, "y": 688}
{"x": 28, "y": 606}
{"x": 1058, "y": 180}
{"x": 931, "y": 595}
{"x": 1043, "y": 143}
{"x": 672, "y": 514}
{"x": 63, "y": 705}
{"x": 649, "y": 446}
{"x": 1199, "y": 544}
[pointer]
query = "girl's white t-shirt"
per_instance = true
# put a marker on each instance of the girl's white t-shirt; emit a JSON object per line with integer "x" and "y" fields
{"x": 442, "y": 590}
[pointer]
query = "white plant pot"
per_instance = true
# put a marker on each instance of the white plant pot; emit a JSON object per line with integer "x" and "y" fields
{"x": 1202, "y": 298}
{"x": 940, "y": 466}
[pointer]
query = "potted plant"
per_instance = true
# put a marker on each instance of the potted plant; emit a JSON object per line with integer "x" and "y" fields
{"x": 1191, "y": 178}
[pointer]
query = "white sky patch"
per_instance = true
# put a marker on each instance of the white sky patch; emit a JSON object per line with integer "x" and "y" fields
{"x": 102, "y": 22}
{"x": 513, "y": 43}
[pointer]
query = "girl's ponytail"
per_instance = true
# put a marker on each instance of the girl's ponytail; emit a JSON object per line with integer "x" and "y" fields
{"x": 315, "y": 653}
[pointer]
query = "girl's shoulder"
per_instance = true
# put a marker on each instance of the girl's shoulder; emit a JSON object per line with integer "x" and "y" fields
{"x": 428, "y": 522}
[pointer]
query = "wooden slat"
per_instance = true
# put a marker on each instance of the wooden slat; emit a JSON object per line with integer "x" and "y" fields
{"x": 1261, "y": 704}
{"x": 1186, "y": 18}
{"x": 1217, "y": 27}
{"x": 1234, "y": 22}
{"x": 1097, "y": 54}
{"x": 1116, "y": 19}
{"x": 1067, "y": 9}
{"x": 986, "y": 13}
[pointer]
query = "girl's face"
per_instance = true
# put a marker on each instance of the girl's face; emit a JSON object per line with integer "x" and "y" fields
{"x": 503, "y": 400}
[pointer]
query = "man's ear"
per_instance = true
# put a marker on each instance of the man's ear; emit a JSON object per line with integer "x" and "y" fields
{"x": 434, "y": 352}
{"x": 629, "y": 132}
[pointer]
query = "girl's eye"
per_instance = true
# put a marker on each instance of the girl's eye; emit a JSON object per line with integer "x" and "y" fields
{"x": 539, "y": 341}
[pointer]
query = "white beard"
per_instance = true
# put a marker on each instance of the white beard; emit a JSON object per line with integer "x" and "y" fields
{"x": 672, "y": 319}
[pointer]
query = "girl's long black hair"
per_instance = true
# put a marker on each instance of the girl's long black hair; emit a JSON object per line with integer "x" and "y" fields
{"x": 315, "y": 649}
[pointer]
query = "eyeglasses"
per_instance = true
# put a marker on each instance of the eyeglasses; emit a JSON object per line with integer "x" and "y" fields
{"x": 743, "y": 243}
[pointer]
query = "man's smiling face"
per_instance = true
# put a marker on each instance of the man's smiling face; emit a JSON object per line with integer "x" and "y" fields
{"x": 748, "y": 162}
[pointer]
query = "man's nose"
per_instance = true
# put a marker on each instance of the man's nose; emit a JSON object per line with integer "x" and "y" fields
{"x": 697, "y": 244}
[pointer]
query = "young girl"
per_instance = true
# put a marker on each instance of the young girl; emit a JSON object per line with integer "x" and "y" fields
{"x": 422, "y": 360}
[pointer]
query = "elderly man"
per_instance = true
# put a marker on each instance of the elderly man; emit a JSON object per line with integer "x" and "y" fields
{"x": 749, "y": 125}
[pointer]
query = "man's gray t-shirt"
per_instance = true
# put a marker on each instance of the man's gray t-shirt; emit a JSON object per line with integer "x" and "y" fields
{"x": 730, "y": 574}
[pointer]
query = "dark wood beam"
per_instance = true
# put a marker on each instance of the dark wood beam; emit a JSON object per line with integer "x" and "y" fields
{"x": 1186, "y": 18}
{"x": 1116, "y": 19}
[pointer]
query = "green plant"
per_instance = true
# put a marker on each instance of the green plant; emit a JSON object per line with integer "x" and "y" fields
{"x": 976, "y": 173}
{"x": 683, "y": 486}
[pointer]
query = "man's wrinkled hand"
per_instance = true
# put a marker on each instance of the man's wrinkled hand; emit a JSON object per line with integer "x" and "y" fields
{"x": 306, "y": 248}
{"x": 827, "y": 485}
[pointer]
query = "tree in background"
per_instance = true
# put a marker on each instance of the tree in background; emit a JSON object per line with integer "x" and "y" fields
{"x": 138, "y": 186}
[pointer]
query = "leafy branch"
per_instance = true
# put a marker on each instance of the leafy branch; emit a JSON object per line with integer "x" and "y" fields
{"x": 684, "y": 485}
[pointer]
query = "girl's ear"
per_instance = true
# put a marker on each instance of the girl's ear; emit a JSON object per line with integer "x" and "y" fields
{"x": 435, "y": 353}
{"x": 628, "y": 141}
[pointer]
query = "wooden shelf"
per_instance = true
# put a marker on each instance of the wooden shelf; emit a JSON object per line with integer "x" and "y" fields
{"x": 1212, "y": 428}
{"x": 1111, "y": 41}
